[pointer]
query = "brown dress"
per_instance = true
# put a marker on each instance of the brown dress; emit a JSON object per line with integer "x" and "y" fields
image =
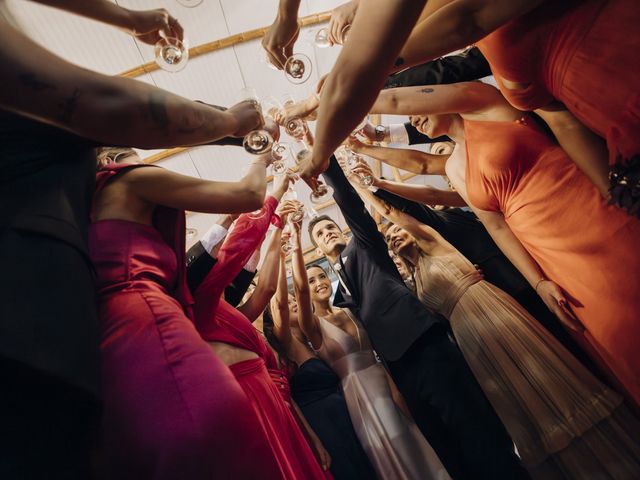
{"x": 564, "y": 422}
{"x": 393, "y": 442}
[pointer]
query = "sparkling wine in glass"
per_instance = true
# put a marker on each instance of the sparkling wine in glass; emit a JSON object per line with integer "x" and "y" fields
{"x": 321, "y": 38}
{"x": 171, "y": 54}
{"x": 298, "y": 68}
{"x": 323, "y": 193}
{"x": 258, "y": 141}
{"x": 280, "y": 152}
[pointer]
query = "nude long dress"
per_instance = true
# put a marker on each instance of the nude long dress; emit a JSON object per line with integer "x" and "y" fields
{"x": 393, "y": 442}
{"x": 565, "y": 423}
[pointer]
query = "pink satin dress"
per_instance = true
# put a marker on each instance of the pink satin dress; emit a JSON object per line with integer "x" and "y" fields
{"x": 172, "y": 409}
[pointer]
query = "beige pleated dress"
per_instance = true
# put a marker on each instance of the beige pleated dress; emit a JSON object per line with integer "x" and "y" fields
{"x": 396, "y": 448}
{"x": 565, "y": 423}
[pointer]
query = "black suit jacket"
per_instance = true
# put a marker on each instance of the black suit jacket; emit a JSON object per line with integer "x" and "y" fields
{"x": 200, "y": 263}
{"x": 392, "y": 315}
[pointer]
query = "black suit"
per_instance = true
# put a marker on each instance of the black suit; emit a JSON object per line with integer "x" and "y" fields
{"x": 200, "y": 263}
{"x": 445, "y": 399}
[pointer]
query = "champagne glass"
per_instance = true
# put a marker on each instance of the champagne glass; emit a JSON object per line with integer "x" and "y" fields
{"x": 189, "y": 3}
{"x": 280, "y": 152}
{"x": 320, "y": 37}
{"x": 287, "y": 233}
{"x": 291, "y": 194}
{"x": 350, "y": 160}
{"x": 322, "y": 193}
{"x": 298, "y": 68}
{"x": 258, "y": 141}
{"x": 171, "y": 54}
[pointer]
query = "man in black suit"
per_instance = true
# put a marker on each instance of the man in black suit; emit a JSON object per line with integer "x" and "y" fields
{"x": 442, "y": 393}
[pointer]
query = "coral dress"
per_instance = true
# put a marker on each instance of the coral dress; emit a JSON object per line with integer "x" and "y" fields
{"x": 587, "y": 247}
{"x": 287, "y": 442}
{"x": 583, "y": 53}
{"x": 396, "y": 448}
{"x": 172, "y": 409}
{"x": 564, "y": 422}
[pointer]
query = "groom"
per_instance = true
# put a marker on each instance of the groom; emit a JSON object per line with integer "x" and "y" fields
{"x": 444, "y": 397}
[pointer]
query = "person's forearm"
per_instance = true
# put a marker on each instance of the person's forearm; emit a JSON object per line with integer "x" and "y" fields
{"x": 514, "y": 251}
{"x": 288, "y": 8}
{"x": 407, "y": 159}
{"x": 100, "y": 10}
{"x": 108, "y": 110}
{"x": 267, "y": 280}
{"x": 423, "y": 193}
{"x": 360, "y": 70}
{"x": 457, "y": 25}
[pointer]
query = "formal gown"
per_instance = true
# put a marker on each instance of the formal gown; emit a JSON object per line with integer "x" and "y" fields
{"x": 172, "y": 409}
{"x": 392, "y": 441}
{"x": 587, "y": 247}
{"x": 583, "y": 53}
{"x": 564, "y": 422}
{"x": 316, "y": 390}
{"x": 217, "y": 321}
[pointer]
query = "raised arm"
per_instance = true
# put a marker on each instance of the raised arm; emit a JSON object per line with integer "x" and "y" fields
{"x": 362, "y": 225}
{"x": 359, "y": 73}
{"x": 458, "y": 24}
{"x": 267, "y": 280}
{"x": 307, "y": 320}
{"x": 468, "y": 97}
{"x": 424, "y": 235}
{"x": 146, "y": 25}
{"x": 162, "y": 187}
{"x": 280, "y": 306}
{"x": 108, "y": 110}
{"x": 425, "y": 194}
{"x": 407, "y": 159}
{"x": 282, "y": 34}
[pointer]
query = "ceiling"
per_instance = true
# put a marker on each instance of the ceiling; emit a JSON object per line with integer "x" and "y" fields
{"x": 214, "y": 77}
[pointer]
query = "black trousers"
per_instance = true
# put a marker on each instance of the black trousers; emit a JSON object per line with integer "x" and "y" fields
{"x": 452, "y": 412}
{"x": 48, "y": 426}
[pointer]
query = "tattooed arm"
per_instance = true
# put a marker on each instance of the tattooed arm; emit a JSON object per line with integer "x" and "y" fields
{"x": 108, "y": 110}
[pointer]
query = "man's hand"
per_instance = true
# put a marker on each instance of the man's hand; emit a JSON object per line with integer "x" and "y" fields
{"x": 247, "y": 116}
{"x": 341, "y": 17}
{"x": 309, "y": 171}
{"x": 149, "y": 26}
{"x": 280, "y": 38}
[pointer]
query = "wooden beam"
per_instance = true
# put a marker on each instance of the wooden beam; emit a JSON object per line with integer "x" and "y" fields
{"x": 226, "y": 42}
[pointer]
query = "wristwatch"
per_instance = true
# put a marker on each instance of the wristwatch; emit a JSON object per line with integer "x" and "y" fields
{"x": 381, "y": 132}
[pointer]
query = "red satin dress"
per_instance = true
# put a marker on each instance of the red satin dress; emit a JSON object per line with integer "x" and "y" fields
{"x": 584, "y": 53}
{"x": 228, "y": 325}
{"x": 172, "y": 409}
{"x": 583, "y": 244}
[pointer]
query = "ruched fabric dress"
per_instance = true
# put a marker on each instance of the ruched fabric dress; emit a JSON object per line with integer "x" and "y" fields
{"x": 172, "y": 409}
{"x": 583, "y": 53}
{"x": 393, "y": 442}
{"x": 587, "y": 247}
{"x": 218, "y": 321}
{"x": 565, "y": 423}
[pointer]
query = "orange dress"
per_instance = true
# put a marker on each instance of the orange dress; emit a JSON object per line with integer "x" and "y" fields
{"x": 584, "y": 53}
{"x": 583, "y": 244}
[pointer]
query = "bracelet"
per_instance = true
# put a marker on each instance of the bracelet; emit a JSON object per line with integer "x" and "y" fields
{"x": 539, "y": 282}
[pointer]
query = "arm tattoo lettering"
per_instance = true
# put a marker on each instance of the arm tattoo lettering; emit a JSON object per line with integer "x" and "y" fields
{"x": 68, "y": 107}
{"x": 427, "y": 90}
{"x": 31, "y": 81}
